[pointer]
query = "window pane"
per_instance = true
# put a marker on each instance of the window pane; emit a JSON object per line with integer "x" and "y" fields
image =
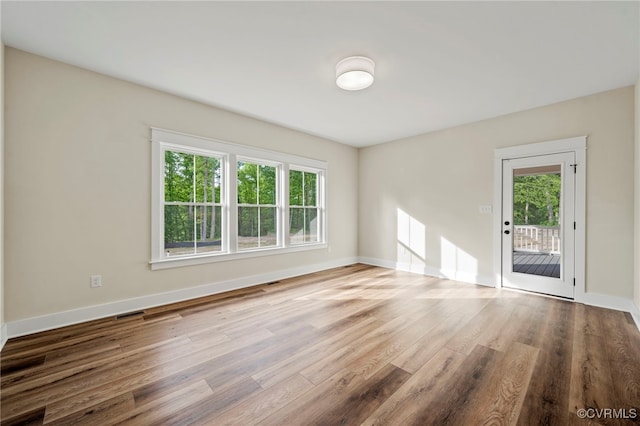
{"x": 207, "y": 183}
{"x": 257, "y": 183}
{"x": 208, "y": 229}
{"x": 178, "y": 230}
{"x": 247, "y": 183}
{"x": 310, "y": 189}
{"x": 247, "y": 227}
{"x": 295, "y": 188}
{"x": 303, "y": 225}
{"x": 267, "y": 184}
{"x": 268, "y": 235}
{"x": 311, "y": 226}
{"x": 296, "y": 225}
{"x": 178, "y": 176}
{"x": 257, "y": 227}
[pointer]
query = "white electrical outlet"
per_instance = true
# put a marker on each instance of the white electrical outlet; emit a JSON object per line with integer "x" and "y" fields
{"x": 96, "y": 281}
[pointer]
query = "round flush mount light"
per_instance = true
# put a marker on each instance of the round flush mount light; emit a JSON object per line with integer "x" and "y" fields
{"x": 355, "y": 73}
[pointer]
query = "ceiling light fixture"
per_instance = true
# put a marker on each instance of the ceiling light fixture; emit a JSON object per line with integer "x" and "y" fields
{"x": 355, "y": 73}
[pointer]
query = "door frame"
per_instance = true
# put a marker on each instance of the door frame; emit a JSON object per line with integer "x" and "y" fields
{"x": 577, "y": 145}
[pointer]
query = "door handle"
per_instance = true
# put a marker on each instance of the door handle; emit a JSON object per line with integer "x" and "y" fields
{"x": 507, "y": 231}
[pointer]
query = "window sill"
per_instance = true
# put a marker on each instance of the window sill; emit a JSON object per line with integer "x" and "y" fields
{"x": 176, "y": 262}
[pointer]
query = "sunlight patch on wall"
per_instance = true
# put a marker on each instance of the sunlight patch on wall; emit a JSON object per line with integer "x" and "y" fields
{"x": 456, "y": 264}
{"x": 411, "y": 237}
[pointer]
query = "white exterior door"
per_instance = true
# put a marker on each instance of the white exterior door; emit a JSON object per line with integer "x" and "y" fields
{"x": 538, "y": 224}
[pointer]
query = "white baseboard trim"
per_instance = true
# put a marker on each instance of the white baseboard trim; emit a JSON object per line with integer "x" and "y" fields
{"x": 60, "y": 319}
{"x": 605, "y": 301}
{"x": 3, "y": 336}
{"x": 635, "y": 313}
{"x": 611, "y": 302}
{"x": 430, "y": 271}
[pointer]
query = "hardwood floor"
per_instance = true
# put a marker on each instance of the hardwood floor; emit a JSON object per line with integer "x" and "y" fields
{"x": 349, "y": 346}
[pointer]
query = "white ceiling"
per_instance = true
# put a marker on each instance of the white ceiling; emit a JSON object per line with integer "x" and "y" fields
{"x": 438, "y": 64}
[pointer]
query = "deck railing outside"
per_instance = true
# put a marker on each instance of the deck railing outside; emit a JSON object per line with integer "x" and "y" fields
{"x": 536, "y": 238}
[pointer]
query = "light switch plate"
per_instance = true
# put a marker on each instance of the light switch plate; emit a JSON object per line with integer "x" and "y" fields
{"x": 486, "y": 209}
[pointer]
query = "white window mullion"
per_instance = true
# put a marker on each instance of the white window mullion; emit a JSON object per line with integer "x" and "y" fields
{"x": 321, "y": 204}
{"x": 259, "y": 228}
{"x": 231, "y": 185}
{"x": 194, "y": 207}
{"x": 223, "y": 203}
{"x": 258, "y": 202}
{"x": 305, "y": 229}
{"x": 283, "y": 211}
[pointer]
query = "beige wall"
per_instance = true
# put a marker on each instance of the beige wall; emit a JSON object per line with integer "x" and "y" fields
{"x": 440, "y": 179}
{"x": 636, "y": 257}
{"x": 78, "y": 187}
{"x": 78, "y": 180}
{"x": 1, "y": 186}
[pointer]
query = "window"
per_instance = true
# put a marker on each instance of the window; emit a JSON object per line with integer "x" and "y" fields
{"x": 192, "y": 203}
{"x": 257, "y": 205}
{"x": 304, "y": 211}
{"x": 215, "y": 201}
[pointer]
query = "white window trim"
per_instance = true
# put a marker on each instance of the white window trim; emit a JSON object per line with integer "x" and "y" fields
{"x": 230, "y": 153}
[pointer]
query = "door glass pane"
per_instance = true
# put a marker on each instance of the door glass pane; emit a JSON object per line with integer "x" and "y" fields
{"x": 536, "y": 221}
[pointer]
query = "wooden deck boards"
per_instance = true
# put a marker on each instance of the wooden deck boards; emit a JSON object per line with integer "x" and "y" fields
{"x": 544, "y": 264}
{"x": 354, "y": 345}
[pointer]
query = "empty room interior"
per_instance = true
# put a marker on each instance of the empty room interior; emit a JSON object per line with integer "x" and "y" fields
{"x": 296, "y": 213}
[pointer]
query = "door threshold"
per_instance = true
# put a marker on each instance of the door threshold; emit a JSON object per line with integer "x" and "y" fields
{"x": 535, "y": 293}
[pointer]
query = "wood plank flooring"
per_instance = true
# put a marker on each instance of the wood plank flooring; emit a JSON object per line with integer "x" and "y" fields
{"x": 358, "y": 345}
